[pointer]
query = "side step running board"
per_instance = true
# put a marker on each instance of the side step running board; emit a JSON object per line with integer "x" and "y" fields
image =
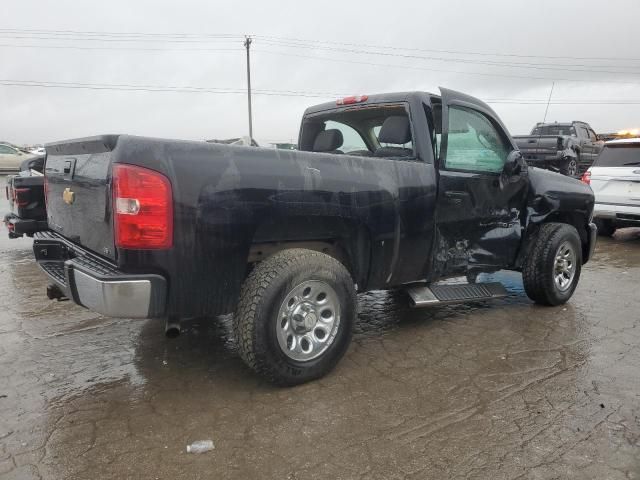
{"x": 423, "y": 295}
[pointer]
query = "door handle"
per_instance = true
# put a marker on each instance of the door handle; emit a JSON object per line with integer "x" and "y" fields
{"x": 455, "y": 194}
{"x": 455, "y": 197}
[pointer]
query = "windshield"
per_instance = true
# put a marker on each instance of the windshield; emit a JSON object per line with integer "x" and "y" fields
{"x": 554, "y": 130}
{"x": 619, "y": 156}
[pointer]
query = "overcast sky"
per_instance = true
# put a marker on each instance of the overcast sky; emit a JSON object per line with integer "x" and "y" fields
{"x": 456, "y": 44}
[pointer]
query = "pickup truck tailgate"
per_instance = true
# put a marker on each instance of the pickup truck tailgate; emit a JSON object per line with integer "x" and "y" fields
{"x": 78, "y": 176}
{"x": 539, "y": 147}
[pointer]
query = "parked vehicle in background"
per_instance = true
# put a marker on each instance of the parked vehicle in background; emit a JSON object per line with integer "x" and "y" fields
{"x": 284, "y": 145}
{"x": 11, "y": 157}
{"x": 39, "y": 150}
{"x": 25, "y": 193}
{"x": 397, "y": 190}
{"x": 615, "y": 181}
{"x": 568, "y": 148}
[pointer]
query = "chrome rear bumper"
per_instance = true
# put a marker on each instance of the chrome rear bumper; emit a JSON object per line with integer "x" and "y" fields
{"x": 93, "y": 283}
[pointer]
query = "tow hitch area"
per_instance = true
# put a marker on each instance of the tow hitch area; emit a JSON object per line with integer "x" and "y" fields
{"x": 54, "y": 293}
{"x": 426, "y": 295}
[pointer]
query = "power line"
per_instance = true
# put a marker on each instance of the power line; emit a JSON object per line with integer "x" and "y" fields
{"x": 278, "y": 43}
{"x": 430, "y": 69}
{"x": 293, "y": 93}
{"x": 306, "y": 42}
{"x": 306, "y": 56}
{"x": 129, "y": 48}
{"x": 455, "y": 52}
{"x": 461, "y": 60}
{"x": 118, "y": 40}
{"x": 118, "y": 34}
{"x": 162, "y": 88}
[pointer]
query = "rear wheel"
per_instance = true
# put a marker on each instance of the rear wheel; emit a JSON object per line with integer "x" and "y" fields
{"x": 552, "y": 268}
{"x": 606, "y": 228}
{"x": 295, "y": 316}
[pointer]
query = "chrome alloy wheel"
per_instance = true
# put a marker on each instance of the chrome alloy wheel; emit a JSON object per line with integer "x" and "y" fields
{"x": 564, "y": 268}
{"x": 572, "y": 168}
{"x": 308, "y": 320}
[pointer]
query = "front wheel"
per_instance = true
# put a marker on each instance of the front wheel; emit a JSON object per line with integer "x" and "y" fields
{"x": 295, "y": 316}
{"x": 552, "y": 268}
{"x": 569, "y": 167}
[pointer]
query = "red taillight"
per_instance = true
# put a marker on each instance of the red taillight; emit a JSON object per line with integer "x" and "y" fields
{"x": 586, "y": 177}
{"x": 143, "y": 208}
{"x": 21, "y": 196}
{"x": 351, "y": 100}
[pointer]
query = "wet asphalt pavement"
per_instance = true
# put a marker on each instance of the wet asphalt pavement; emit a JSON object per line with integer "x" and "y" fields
{"x": 491, "y": 390}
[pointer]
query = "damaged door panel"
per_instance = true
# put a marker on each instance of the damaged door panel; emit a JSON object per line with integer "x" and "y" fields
{"x": 479, "y": 213}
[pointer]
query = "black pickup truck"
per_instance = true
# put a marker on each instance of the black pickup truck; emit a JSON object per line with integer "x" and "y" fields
{"x": 392, "y": 191}
{"x": 25, "y": 193}
{"x": 568, "y": 148}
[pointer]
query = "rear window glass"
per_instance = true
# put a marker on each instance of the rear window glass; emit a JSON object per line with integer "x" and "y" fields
{"x": 554, "y": 130}
{"x": 358, "y": 131}
{"x": 619, "y": 156}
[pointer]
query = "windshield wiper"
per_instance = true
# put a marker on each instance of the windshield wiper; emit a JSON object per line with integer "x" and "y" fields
{"x": 632, "y": 163}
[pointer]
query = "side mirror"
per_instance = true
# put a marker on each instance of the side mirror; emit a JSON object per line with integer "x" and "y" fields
{"x": 514, "y": 163}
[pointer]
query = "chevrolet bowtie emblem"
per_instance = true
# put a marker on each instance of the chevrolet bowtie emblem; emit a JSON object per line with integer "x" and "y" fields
{"x": 68, "y": 196}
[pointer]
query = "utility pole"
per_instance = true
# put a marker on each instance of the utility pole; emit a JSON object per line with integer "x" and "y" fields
{"x": 247, "y": 44}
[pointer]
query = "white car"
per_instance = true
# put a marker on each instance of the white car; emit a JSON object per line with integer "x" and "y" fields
{"x": 11, "y": 158}
{"x": 615, "y": 180}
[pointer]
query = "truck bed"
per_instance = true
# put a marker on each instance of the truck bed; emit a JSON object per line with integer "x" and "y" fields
{"x": 540, "y": 147}
{"x": 227, "y": 199}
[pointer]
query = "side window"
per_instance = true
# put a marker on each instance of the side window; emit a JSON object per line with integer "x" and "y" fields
{"x": 352, "y": 141}
{"x": 593, "y": 136}
{"x": 584, "y": 133}
{"x": 473, "y": 143}
{"x": 7, "y": 150}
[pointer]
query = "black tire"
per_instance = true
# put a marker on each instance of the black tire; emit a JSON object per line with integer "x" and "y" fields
{"x": 539, "y": 266}
{"x": 569, "y": 167}
{"x": 257, "y": 316}
{"x": 472, "y": 277}
{"x": 606, "y": 228}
